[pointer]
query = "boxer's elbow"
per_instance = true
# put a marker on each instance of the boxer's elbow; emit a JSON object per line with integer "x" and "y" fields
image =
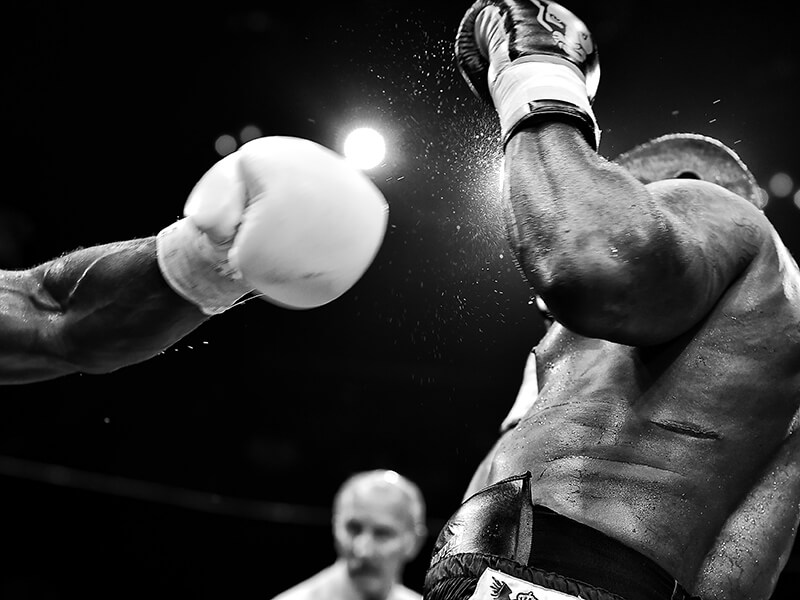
{"x": 590, "y": 315}
{"x": 612, "y": 300}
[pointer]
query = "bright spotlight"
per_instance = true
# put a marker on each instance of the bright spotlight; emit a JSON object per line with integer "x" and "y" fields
{"x": 364, "y": 147}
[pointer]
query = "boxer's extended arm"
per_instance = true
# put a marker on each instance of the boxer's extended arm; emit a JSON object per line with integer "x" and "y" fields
{"x": 613, "y": 258}
{"x": 93, "y": 310}
{"x": 281, "y": 216}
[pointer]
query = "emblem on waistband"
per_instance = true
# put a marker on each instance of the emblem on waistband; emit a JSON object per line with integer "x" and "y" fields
{"x": 501, "y": 591}
{"x": 495, "y": 585}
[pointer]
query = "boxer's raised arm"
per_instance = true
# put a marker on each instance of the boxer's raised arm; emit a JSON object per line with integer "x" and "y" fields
{"x": 611, "y": 257}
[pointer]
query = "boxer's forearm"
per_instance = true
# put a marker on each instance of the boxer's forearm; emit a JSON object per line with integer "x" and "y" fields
{"x": 93, "y": 310}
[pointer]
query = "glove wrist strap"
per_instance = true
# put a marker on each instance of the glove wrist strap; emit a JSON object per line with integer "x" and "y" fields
{"x": 197, "y": 269}
{"x": 528, "y": 86}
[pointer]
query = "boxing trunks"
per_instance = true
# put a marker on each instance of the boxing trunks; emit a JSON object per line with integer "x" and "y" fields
{"x": 499, "y": 546}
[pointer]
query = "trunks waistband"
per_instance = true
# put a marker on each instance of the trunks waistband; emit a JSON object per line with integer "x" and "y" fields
{"x": 499, "y": 528}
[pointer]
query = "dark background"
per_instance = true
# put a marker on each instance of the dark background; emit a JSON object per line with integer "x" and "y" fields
{"x": 208, "y": 471}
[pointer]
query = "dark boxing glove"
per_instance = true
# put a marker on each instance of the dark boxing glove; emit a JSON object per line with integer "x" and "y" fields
{"x": 532, "y": 59}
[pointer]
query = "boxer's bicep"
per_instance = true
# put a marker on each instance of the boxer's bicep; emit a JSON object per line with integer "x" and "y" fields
{"x": 715, "y": 235}
{"x": 703, "y": 237}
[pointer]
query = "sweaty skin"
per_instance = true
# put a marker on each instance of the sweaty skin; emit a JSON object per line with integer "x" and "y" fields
{"x": 94, "y": 310}
{"x": 669, "y": 387}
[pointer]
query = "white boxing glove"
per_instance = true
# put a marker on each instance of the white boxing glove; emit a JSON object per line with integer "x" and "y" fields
{"x": 282, "y": 216}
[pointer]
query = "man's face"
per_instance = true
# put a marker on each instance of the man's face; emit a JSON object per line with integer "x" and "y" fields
{"x": 374, "y": 534}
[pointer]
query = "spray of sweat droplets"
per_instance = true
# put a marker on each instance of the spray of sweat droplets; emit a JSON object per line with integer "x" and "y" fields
{"x": 444, "y": 191}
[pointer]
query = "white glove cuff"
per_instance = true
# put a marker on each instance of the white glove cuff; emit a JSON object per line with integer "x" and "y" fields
{"x": 526, "y": 81}
{"x": 198, "y": 269}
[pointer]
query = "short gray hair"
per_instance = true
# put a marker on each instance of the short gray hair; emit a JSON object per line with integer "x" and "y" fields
{"x": 416, "y": 501}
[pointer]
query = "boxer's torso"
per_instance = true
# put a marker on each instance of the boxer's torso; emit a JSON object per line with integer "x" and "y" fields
{"x": 658, "y": 446}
